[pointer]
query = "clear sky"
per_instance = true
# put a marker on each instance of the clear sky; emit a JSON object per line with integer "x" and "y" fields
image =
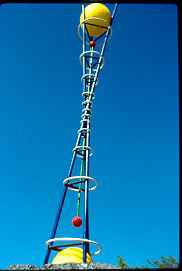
{"x": 134, "y": 213}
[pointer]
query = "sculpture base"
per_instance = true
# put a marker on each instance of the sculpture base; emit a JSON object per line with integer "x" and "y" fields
{"x": 62, "y": 266}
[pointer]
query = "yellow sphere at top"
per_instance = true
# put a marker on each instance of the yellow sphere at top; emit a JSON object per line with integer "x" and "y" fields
{"x": 99, "y": 15}
{"x": 70, "y": 255}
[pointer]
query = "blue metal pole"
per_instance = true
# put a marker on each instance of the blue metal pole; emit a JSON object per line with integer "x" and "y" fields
{"x": 84, "y": 42}
{"x": 85, "y": 226}
{"x": 56, "y": 223}
{"x": 103, "y": 48}
{"x": 114, "y": 12}
{"x": 61, "y": 205}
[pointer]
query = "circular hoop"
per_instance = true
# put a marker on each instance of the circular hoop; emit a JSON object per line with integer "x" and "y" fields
{"x": 95, "y": 52}
{"x": 83, "y": 147}
{"x": 84, "y": 129}
{"x": 87, "y": 109}
{"x": 87, "y": 120}
{"x": 99, "y": 19}
{"x": 86, "y": 115}
{"x": 87, "y": 94}
{"x": 76, "y": 189}
{"x": 77, "y": 240}
{"x": 85, "y": 102}
{"x": 90, "y": 75}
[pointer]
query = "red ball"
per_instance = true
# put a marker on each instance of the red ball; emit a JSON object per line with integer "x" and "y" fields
{"x": 92, "y": 43}
{"x": 77, "y": 221}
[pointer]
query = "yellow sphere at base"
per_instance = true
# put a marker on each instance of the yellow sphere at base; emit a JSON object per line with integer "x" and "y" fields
{"x": 100, "y": 11}
{"x": 71, "y": 255}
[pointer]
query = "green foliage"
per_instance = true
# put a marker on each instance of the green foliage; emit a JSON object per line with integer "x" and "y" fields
{"x": 163, "y": 263}
{"x": 123, "y": 264}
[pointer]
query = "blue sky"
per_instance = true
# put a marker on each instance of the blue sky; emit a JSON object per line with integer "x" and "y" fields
{"x": 134, "y": 213}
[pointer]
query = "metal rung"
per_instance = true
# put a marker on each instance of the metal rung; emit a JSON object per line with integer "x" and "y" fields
{"x": 84, "y": 148}
{"x": 58, "y": 248}
{"x": 86, "y": 115}
{"x": 67, "y": 182}
{"x": 87, "y": 109}
{"x": 84, "y": 129}
{"x": 88, "y": 54}
{"x": 88, "y": 94}
{"x": 77, "y": 242}
{"x": 90, "y": 78}
{"x": 85, "y": 21}
{"x": 85, "y": 120}
{"x": 74, "y": 187}
{"x": 86, "y": 102}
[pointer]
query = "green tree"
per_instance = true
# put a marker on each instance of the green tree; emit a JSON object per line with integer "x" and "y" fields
{"x": 123, "y": 264}
{"x": 163, "y": 263}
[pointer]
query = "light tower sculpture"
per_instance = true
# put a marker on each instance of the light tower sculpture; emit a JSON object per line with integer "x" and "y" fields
{"x": 95, "y": 23}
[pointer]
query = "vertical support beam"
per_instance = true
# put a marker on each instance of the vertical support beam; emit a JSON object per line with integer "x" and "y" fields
{"x": 114, "y": 12}
{"x": 86, "y": 219}
{"x": 56, "y": 224}
{"x": 61, "y": 205}
{"x": 84, "y": 47}
{"x": 85, "y": 224}
{"x": 103, "y": 50}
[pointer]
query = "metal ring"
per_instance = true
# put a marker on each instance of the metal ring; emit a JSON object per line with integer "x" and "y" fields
{"x": 86, "y": 148}
{"x": 86, "y": 115}
{"x": 86, "y": 93}
{"x": 85, "y": 102}
{"x": 92, "y": 75}
{"x": 85, "y": 109}
{"x": 95, "y": 52}
{"x": 84, "y": 129}
{"x": 78, "y": 240}
{"x": 76, "y": 189}
{"x": 87, "y": 19}
{"x": 87, "y": 120}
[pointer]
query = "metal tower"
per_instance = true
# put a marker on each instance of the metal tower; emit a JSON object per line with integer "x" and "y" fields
{"x": 83, "y": 183}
